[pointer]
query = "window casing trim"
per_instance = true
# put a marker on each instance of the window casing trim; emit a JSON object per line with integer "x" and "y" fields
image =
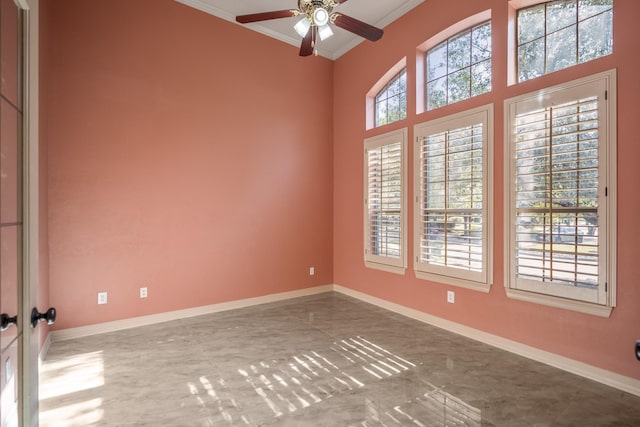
{"x": 609, "y": 184}
{"x": 449, "y": 275}
{"x": 397, "y": 266}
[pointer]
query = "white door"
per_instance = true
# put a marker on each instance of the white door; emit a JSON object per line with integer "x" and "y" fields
{"x": 19, "y": 342}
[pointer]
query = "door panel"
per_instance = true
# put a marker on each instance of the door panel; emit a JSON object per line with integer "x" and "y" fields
{"x": 10, "y": 52}
{"x": 9, "y": 408}
{"x": 10, "y": 260}
{"x": 11, "y": 214}
{"x": 10, "y": 163}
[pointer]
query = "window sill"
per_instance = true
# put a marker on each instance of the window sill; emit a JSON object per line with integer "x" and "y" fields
{"x": 454, "y": 281}
{"x": 557, "y": 302}
{"x": 385, "y": 267}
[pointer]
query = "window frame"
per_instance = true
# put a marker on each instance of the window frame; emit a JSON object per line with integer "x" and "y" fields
{"x": 515, "y": 7}
{"x": 400, "y": 95}
{"x": 447, "y": 40}
{"x": 602, "y": 85}
{"x": 385, "y": 263}
{"x": 479, "y": 281}
{"x": 370, "y": 114}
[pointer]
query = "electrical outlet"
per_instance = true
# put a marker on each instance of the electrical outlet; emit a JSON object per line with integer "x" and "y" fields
{"x": 451, "y": 297}
{"x": 312, "y": 271}
{"x": 102, "y": 297}
{"x": 143, "y": 292}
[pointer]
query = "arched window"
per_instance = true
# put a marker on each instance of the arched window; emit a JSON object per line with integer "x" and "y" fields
{"x": 459, "y": 67}
{"x": 391, "y": 101}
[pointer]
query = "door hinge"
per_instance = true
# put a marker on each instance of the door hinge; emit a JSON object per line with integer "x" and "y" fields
{"x": 606, "y": 287}
{"x": 606, "y": 95}
{"x": 606, "y": 191}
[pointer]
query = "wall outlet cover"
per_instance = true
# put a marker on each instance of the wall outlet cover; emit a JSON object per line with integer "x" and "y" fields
{"x": 451, "y": 297}
{"x": 102, "y": 297}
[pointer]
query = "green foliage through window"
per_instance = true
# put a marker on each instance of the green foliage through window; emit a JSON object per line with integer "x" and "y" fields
{"x": 460, "y": 67}
{"x": 559, "y": 34}
{"x": 391, "y": 101}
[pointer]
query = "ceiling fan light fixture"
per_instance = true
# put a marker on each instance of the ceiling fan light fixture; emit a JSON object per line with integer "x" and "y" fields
{"x": 320, "y": 16}
{"x": 302, "y": 27}
{"x": 325, "y": 32}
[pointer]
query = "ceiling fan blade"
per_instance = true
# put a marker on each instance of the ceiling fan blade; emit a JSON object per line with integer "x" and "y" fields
{"x": 306, "y": 48}
{"x": 360, "y": 28}
{"x": 264, "y": 16}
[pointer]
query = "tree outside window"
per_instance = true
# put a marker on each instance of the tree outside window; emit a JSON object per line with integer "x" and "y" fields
{"x": 559, "y": 34}
{"x": 460, "y": 67}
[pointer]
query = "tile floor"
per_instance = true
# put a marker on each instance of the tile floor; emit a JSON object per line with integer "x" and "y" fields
{"x": 322, "y": 360}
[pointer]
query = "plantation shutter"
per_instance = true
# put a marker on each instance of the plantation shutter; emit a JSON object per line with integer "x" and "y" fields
{"x": 452, "y": 192}
{"x": 452, "y": 217}
{"x": 557, "y": 197}
{"x": 384, "y": 200}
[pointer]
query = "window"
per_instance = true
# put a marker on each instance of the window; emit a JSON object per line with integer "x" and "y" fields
{"x": 561, "y": 197}
{"x": 459, "y": 68}
{"x": 558, "y": 34}
{"x": 453, "y": 181}
{"x": 391, "y": 101}
{"x": 385, "y": 201}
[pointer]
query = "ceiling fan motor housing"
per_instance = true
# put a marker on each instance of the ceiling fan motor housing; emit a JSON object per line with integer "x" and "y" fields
{"x": 317, "y": 11}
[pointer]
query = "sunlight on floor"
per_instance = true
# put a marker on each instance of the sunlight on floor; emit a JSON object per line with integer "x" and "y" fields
{"x": 88, "y": 412}
{"x": 73, "y": 376}
{"x": 309, "y": 378}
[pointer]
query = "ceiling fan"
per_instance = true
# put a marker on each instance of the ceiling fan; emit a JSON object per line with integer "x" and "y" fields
{"x": 316, "y": 16}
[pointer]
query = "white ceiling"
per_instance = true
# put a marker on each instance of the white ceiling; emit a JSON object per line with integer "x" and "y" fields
{"x": 378, "y": 13}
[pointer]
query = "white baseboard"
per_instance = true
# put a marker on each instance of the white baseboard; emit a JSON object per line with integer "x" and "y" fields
{"x": 117, "y": 325}
{"x": 612, "y": 379}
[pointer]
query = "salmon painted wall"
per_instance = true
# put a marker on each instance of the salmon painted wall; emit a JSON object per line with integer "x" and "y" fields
{"x": 186, "y": 154}
{"x": 605, "y": 343}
